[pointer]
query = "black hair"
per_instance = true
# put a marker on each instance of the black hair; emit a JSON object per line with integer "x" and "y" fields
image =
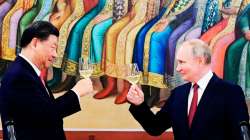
{"x": 40, "y": 30}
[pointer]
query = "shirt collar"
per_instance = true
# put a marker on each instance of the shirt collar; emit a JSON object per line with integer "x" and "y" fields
{"x": 203, "y": 82}
{"x": 38, "y": 72}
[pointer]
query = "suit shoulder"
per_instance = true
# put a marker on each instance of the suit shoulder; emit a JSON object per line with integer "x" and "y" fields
{"x": 181, "y": 87}
{"x": 14, "y": 72}
{"x": 223, "y": 84}
{"x": 227, "y": 89}
{"x": 180, "y": 90}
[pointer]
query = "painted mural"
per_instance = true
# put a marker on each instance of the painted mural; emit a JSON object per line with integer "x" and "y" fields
{"x": 112, "y": 34}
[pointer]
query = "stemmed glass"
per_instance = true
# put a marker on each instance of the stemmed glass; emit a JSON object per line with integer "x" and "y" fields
{"x": 85, "y": 68}
{"x": 133, "y": 74}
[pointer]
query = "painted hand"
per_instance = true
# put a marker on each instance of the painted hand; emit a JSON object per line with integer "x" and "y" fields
{"x": 135, "y": 95}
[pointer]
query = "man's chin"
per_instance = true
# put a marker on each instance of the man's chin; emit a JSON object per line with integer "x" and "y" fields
{"x": 184, "y": 78}
{"x": 48, "y": 65}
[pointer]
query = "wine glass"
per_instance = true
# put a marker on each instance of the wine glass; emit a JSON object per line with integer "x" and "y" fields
{"x": 133, "y": 74}
{"x": 85, "y": 68}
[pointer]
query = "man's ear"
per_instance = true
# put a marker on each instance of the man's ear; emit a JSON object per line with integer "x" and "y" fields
{"x": 203, "y": 60}
{"x": 200, "y": 60}
{"x": 33, "y": 42}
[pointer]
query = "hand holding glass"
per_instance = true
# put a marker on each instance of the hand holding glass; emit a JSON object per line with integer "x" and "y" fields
{"x": 85, "y": 69}
{"x": 133, "y": 74}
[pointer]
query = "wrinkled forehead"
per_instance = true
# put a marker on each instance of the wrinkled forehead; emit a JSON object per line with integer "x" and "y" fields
{"x": 185, "y": 50}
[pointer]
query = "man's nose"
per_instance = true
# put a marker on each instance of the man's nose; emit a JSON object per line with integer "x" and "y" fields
{"x": 54, "y": 54}
{"x": 178, "y": 68}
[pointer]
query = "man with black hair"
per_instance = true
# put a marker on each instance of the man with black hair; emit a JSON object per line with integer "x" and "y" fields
{"x": 26, "y": 100}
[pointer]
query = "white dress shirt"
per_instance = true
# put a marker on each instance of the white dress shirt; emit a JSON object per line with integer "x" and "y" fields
{"x": 202, "y": 83}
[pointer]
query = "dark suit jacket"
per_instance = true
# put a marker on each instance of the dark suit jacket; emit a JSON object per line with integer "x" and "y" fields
{"x": 37, "y": 115}
{"x": 219, "y": 113}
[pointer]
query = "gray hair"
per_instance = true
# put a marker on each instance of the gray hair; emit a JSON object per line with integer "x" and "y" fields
{"x": 200, "y": 49}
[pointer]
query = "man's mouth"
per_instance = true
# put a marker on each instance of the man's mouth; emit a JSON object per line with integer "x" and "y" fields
{"x": 51, "y": 61}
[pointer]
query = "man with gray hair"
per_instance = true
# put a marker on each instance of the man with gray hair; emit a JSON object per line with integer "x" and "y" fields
{"x": 205, "y": 108}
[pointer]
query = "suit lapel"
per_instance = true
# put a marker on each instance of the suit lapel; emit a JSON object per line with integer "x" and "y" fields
{"x": 49, "y": 91}
{"x": 206, "y": 99}
{"x": 35, "y": 77}
{"x": 185, "y": 89}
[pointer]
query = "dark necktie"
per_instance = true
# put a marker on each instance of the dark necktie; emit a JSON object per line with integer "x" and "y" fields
{"x": 193, "y": 106}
